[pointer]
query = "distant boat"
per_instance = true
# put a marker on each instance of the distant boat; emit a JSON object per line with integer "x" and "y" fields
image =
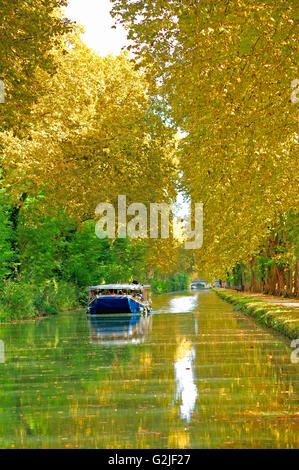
{"x": 119, "y": 298}
{"x": 199, "y": 285}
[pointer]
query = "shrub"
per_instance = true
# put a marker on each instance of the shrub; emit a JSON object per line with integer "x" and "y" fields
{"x": 17, "y": 300}
{"x": 22, "y": 300}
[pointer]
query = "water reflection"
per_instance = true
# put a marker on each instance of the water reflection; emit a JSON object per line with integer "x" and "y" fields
{"x": 186, "y": 390}
{"x": 180, "y": 304}
{"x": 119, "y": 329}
{"x": 210, "y": 378}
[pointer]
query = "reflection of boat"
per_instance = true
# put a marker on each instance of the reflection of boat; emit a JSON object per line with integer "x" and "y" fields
{"x": 119, "y": 329}
{"x": 119, "y": 298}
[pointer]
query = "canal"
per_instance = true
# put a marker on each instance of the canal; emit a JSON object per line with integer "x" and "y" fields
{"x": 194, "y": 374}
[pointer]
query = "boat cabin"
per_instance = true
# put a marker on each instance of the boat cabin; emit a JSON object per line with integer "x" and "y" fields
{"x": 138, "y": 291}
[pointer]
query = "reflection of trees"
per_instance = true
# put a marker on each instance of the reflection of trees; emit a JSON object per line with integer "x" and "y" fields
{"x": 56, "y": 375}
{"x": 57, "y": 389}
{"x": 244, "y": 379}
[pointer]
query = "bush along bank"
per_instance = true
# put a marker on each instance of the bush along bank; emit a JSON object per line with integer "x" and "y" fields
{"x": 280, "y": 318}
{"x": 177, "y": 282}
{"x": 24, "y": 301}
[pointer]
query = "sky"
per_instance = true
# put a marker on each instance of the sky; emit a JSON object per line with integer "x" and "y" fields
{"x": 95, "y": 17}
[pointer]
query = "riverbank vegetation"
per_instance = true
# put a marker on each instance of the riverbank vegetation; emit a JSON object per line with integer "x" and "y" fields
{"x": 281, "y": 318}
{"x": 48, "y": 262}
{"x": 177, "y": 282}
{"x": 275, "y": 268}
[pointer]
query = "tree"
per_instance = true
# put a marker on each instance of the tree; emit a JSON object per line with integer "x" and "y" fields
{"x": 92, "y": 136}
{"x": 6, "y": 236}
{"x": 29, "y": 31}
{"x": 223, "y": 71}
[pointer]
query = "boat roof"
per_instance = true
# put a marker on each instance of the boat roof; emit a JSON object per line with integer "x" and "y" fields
{"x": 118, "y": 286}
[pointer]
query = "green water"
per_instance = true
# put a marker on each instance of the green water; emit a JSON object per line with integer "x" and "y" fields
{"x": 192, "y": 375}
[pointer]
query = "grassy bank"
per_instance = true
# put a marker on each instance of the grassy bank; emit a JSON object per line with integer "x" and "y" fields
{"x": 280, "y": 318}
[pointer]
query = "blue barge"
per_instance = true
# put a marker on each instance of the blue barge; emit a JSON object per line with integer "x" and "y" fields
{"x": 119, "y": 298}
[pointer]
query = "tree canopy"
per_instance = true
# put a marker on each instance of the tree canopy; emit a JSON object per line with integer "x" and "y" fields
{"x": 91, "y": 135}
{"x": 29, "y": 30}
{"x": 224, "y": 72}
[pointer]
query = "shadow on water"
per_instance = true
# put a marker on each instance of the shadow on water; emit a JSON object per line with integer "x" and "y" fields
{"x": 194, "y": 374}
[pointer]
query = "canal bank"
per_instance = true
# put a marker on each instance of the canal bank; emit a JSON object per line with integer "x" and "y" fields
{"x": 280, "y": 315}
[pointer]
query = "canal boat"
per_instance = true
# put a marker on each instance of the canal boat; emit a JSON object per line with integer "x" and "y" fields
{"x": 119, "y": 298}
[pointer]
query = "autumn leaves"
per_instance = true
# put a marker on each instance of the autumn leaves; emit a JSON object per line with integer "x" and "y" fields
{"x": 224, "y": 70}
{"x": 80, "y": 129}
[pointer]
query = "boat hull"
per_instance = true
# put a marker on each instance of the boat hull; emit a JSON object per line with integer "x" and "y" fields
{"x": 115, "y": 304}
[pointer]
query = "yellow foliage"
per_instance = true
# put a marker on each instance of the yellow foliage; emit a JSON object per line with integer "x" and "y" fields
{"x": 225, "y": 71}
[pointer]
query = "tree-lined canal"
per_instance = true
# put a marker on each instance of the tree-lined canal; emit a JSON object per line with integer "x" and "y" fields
{"x": 192, "y": 375}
